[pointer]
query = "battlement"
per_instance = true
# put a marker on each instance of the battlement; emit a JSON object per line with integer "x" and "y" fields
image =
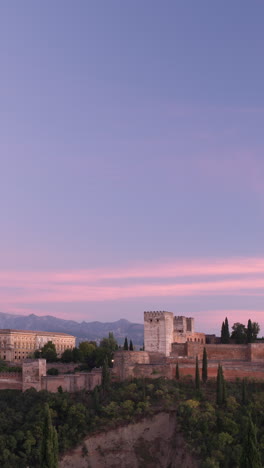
{"x": 158, "y": 314}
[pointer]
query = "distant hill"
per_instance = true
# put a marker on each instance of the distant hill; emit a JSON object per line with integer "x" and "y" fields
{"x": 83, "y": 331}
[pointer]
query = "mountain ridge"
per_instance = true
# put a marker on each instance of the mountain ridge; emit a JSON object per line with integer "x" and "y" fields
{"x": 95, "y": 330}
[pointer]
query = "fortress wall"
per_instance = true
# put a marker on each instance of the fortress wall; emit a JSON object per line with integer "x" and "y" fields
{"x": 153, "y": 371}
{"x": 227, "y": 352}
{"x": 256, "y": 352}
{"x": 32, "y": 372}
{"x": 179, "y": 349}
{"x": 219, "y": 351}
{"x": 72, "y": 382}
{"x": 124, "y": 362}
{"x": 10, "y": 380}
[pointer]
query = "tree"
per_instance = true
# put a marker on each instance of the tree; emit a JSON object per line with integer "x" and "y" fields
{"x": 244, "y": 392}
{"x": 106, "y": 349}
{"x": 48, "y": 352}
{"x": 204, "y": 368}
{"x": 105, "y": 376}
{"x": 177, "y": 375}
{"x": 225, "y": 334}
{"x": 239, "y": 333}
{"x": 49, "y": 449}
{"x": 125, "y": 344}
{"x": 67, "y": 355}
{"x": 250, "y": 454}
{"x": 249, "y": 332}
{"x": 220, "y": 387}
{"x": 255, "y": 330}
{"x": 197, "y": 375}
{"x": 131, "y": 347}
{"x": 87, "y": 349}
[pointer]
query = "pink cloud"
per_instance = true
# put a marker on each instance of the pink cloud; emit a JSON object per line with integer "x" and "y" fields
{"x": 182, "y": 279}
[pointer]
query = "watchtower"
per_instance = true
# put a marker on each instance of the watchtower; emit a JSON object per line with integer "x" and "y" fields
{"x": 158, "y": 331}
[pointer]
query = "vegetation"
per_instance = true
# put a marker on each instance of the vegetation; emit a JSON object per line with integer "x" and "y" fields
{"x": 225, "y": 334}
{"x": 242, "y": 334}
{"x": 204, "y": 368}
{"x": 36, "y": 426}
{"x": 125, "y": 347}
{"x": 48, "y": 352}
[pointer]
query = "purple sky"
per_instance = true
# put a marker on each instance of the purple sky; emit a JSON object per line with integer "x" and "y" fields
{"x": 131, "y": 159}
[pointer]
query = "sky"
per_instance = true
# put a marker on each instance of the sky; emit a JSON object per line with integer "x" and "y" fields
{"x": 131, "y": 159}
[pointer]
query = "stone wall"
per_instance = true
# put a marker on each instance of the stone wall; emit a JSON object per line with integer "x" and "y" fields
{"x": 72, "y": 382}
{"x": 32, "y": 372}
{"x": 158, "y": 331}
{"x": 125, "y": 361}
{"x": 10, "y": 380}
{"x": 256, "y": 352}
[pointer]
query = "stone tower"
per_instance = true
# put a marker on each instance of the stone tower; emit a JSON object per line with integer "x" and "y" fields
{"x": 158, "y": 331}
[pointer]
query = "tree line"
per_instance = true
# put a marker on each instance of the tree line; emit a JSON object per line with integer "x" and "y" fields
{"x": 241, "y": 334}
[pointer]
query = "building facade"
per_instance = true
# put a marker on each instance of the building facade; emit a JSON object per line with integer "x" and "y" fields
{"x": 162, "y": 329}
{"x": 16, "y": 345}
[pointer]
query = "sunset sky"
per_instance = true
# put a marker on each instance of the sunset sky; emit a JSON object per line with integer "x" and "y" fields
{"x": 132, "y": 159}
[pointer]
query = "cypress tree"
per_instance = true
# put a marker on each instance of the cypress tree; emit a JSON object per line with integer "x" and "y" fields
{"x": 177, "y": 375}
{"x": 219, "y": 386}
{"x": 131, "y": 347}
{"x": 125, "y": 344}
{"x": 244, "y": 392}
{"x": 49, "y": 449}
{"x": 249, "y": 332}
{"x": 250, "y": 454}
{"x": 197, "y": 375}
{"x": 96, "y": 399}
{"x": 227, "y": 333}
{"x": 105, "y": 376}
{"x": 204, "y": 369}
{"x": 223, "y": 333}
{"x": 223, "y": 386}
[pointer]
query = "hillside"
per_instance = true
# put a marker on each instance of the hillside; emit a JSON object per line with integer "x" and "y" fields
{"x": 83, "y": 331}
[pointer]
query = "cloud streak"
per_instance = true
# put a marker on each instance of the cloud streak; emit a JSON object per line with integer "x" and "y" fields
{"x": 242, "y": 276}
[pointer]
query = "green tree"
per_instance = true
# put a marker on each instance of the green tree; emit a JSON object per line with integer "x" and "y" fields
{"x": 177, "y": 375}
{"x": 255, "y": 330}
{"x": 131, "y": 347}
{"x": 239, "y": 333}
{"x": 87, "y": 349}
{"x": 125, "y": 344}
{"x": 244, "y": 392}
{"x": 204, "y": 368}
{"x": 250, "y": 455}
{"x": 105, "y": 376}
{"x": 219, "y": 386}
{"x": 225, "y": 334}
{"x": 49, "y": 450}
{"x": 197, "y": 375}
{"x": 67, "y": 355}
{"x": 48, "y": 352}
{"x": 249, "y": 332}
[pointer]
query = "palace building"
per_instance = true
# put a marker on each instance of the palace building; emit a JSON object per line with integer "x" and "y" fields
{"x": 16, "y": 345}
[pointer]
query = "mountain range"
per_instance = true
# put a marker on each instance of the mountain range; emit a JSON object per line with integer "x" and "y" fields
{"x": 83, "y": 331}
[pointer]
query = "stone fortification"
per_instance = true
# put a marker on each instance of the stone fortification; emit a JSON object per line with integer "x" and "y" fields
{"x": 162, "y": 329}
{"x": 34, "y": 376}
{"x": 158, "y": 331}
